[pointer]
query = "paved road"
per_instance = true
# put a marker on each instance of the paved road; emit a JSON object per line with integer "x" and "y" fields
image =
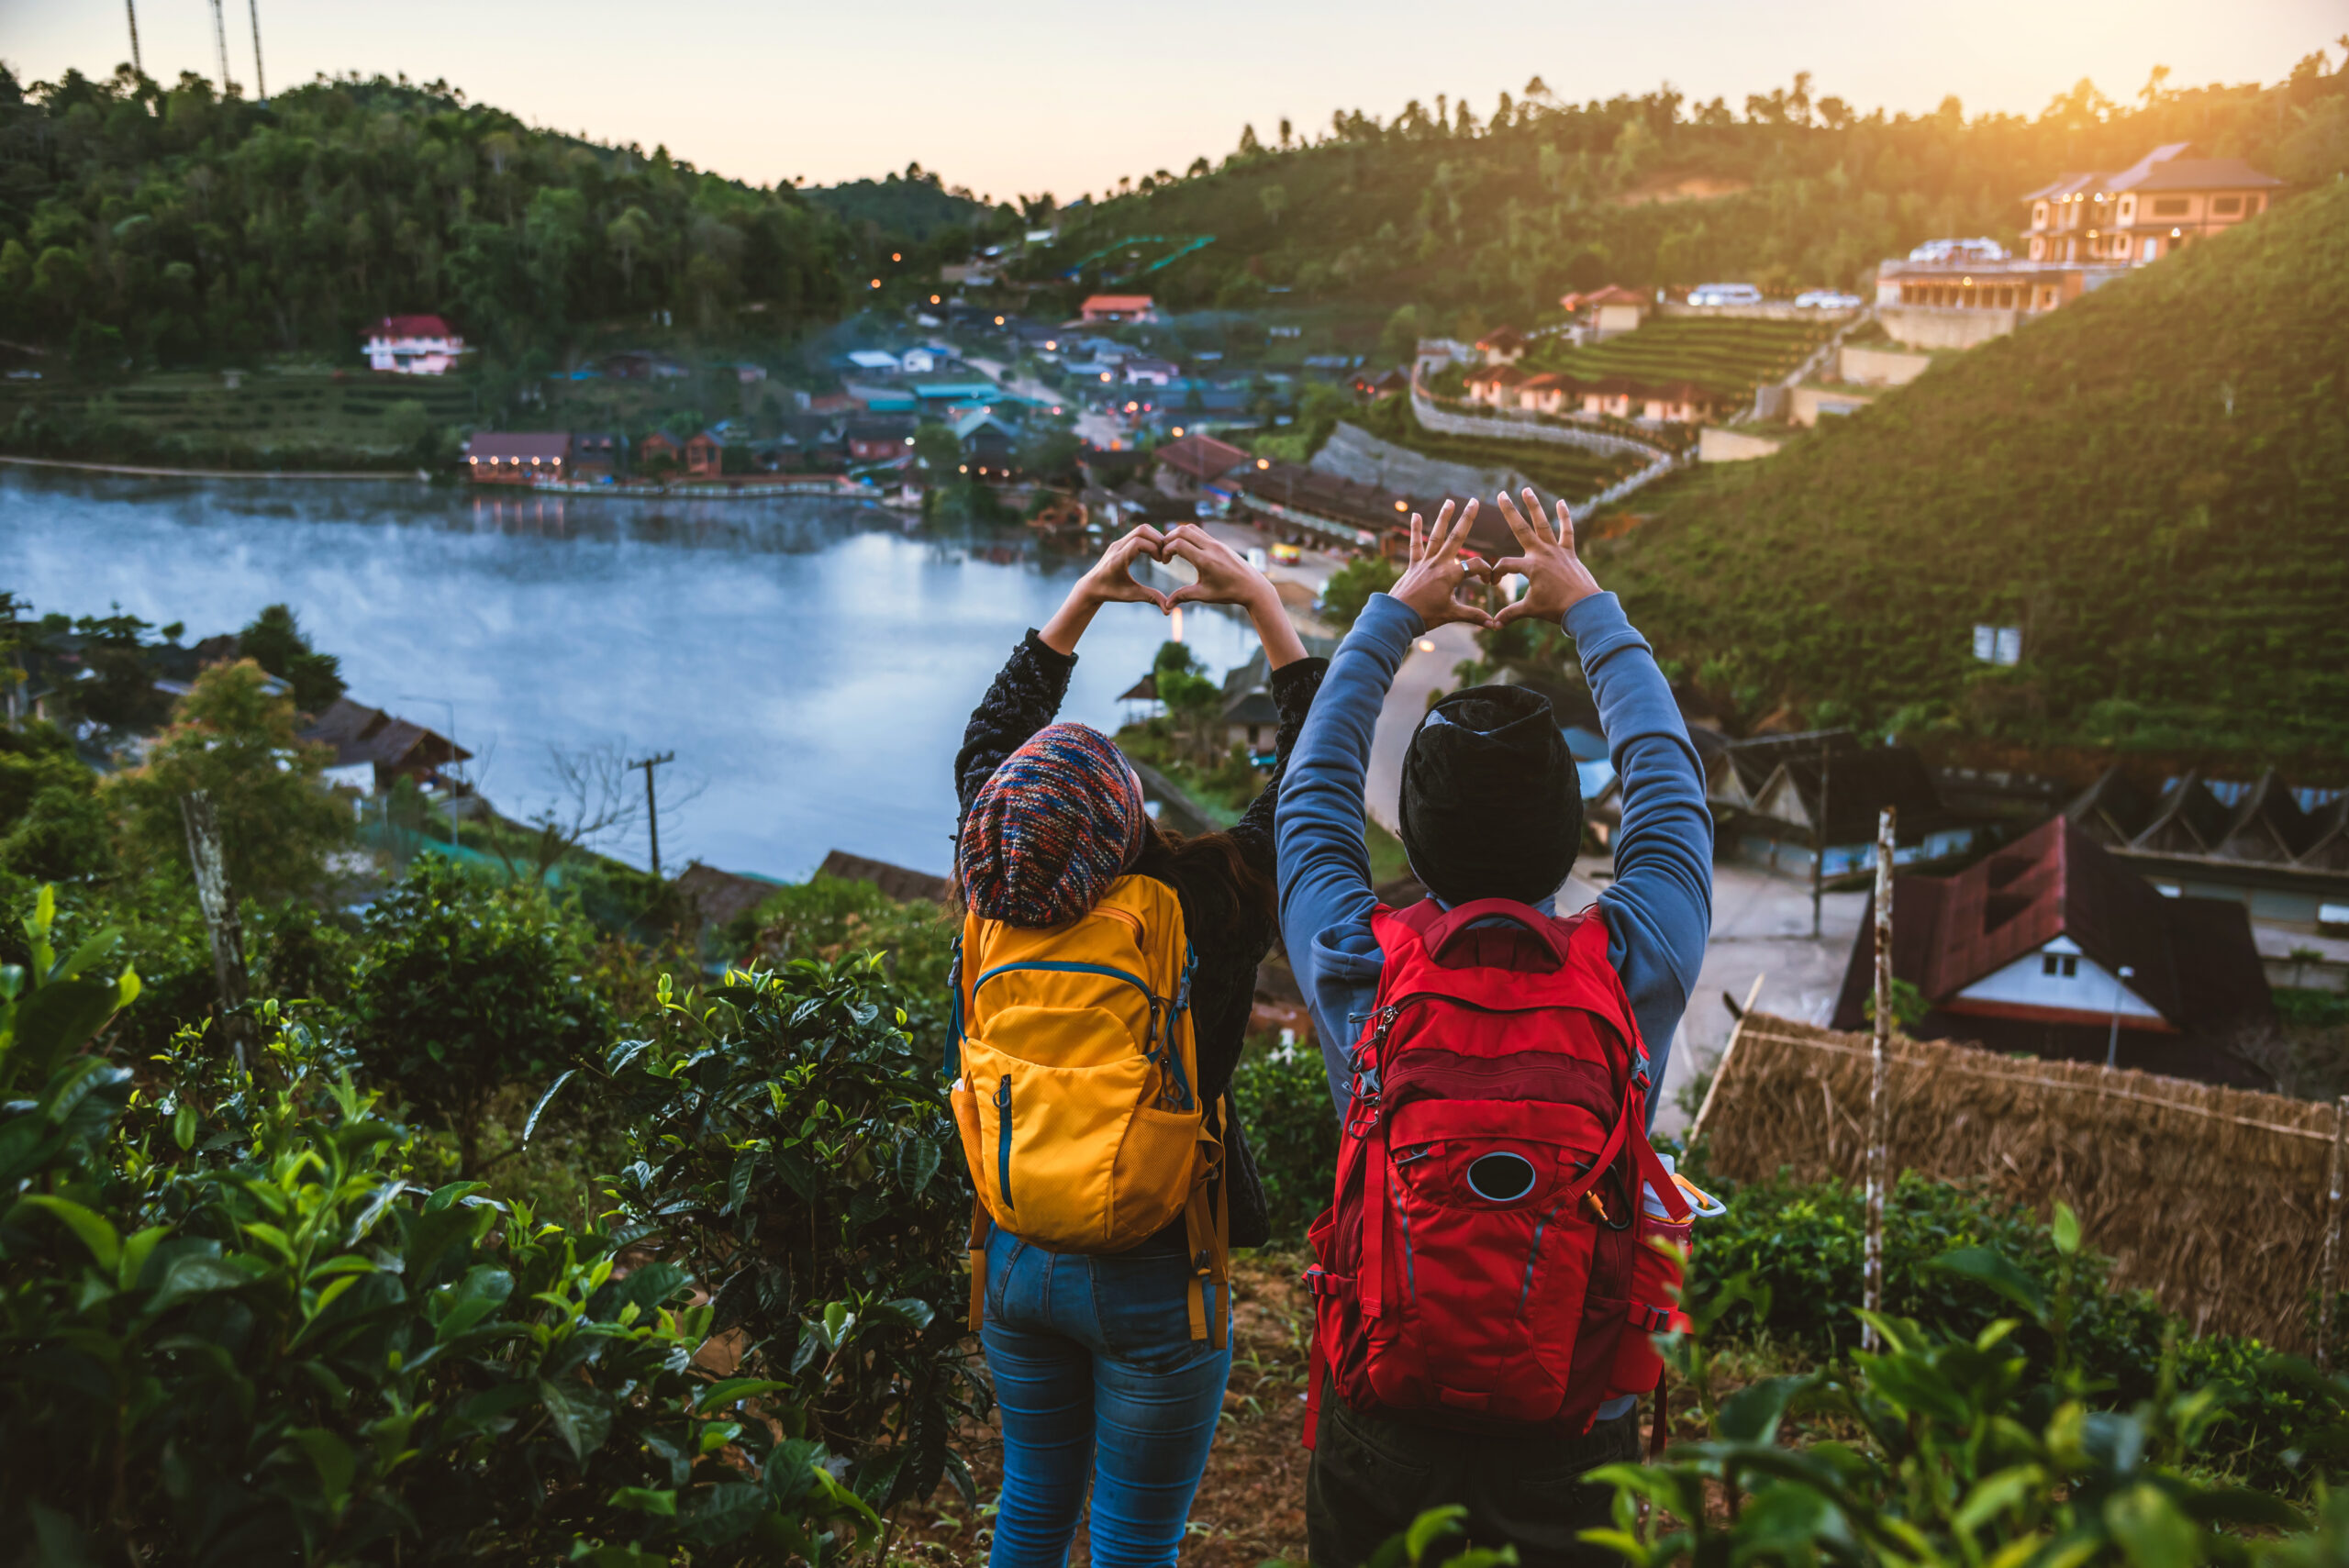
{"x": 1428, "y": 668}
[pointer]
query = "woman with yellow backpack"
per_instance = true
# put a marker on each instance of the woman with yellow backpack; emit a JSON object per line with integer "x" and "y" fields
{"x": 1103, "y": 984}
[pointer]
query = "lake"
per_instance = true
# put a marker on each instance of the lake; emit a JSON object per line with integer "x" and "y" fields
{"x": 811, "y": 663}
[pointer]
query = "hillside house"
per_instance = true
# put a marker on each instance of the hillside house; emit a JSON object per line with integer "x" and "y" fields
{"x": 413, "y": 345}
{"x": 596, "y": 454}
{"x": 1504, "y": 347}
{"x": 2054, "y": 947}
{"x": 1190, "y": 464}
{"x": 394, "y": 747}
{"x": 518, "y": 457}
{"x": 660, "y": 450}
{"x": 880, "y": 359}
{"x": 1495, "y": 384}
{"x": 988, "y": 443}
{"x": 919, "y": 362}
{"x": 2166, "y": 199}
{"x": 878, "y": 440}
{"x": 706, "y": 454}
{"x": 1112, "y": 307}
{"x": 1808, "y": 802}
{"x": 1146, "y": 372}
{"x": 2281, "y": 852}
{"x": 1251, "y": 720}
{"x": 1612, "y": 311}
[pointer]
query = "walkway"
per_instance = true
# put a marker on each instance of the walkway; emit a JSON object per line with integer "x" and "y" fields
{"x": 412, "y": 475}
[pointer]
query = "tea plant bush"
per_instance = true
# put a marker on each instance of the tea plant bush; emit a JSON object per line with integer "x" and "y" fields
{"x": 792, "y": 1151}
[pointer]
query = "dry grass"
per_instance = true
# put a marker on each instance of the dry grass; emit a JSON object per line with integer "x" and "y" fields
{"x": 2213, "y": 1198}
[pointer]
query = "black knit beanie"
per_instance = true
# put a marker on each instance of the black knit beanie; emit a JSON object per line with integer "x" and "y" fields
{"x": 1491, "y": 807}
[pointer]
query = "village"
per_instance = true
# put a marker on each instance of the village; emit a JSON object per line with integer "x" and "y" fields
{"x": 516, "y": 651}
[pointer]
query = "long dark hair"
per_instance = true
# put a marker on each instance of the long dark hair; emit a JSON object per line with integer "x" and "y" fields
{"x": 1199, "y": 860}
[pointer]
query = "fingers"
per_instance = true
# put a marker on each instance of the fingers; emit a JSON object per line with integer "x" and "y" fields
{"x": 1565, "y": 525}
{"x": 1517, "y": 611}
{"x": 1527, "y": 536}
{"x": 1533, "y": 510}
{"x": 1417, "y": 552}
{"x": 1188, "y": 594}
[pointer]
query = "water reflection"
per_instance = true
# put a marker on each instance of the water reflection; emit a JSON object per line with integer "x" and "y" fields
{"x": 812, "y": 660}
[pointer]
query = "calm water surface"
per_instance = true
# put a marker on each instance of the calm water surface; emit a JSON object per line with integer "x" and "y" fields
{"x": 810, "y": 663}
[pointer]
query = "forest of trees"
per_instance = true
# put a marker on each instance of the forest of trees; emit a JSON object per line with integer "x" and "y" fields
{"x": 168, "y": 225}
{"x": 1500, "y": 214}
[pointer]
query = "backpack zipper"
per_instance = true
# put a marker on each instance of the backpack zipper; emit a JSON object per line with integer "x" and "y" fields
{"x": 1002, "y": 1140}
{"x": 1533, "y": 1255}
{"x": 1167, "y": 1060}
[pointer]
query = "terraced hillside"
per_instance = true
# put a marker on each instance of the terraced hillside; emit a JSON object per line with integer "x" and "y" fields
{"x": 269, "y": 419}
{"x": 1725, "y": 357}
{"x": 2153, "y": 483}
{"x": 1571, "y": 471}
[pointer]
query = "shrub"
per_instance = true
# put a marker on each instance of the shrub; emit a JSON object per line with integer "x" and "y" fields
{"x": 793, "y": 1153}
{"x": 463, "y": 988}
{"x": 1283, "y": 1096}
{"x": 830, "y": 917}
{"x": 1970, "y": 1449}
{"x": 1351, "y": 586}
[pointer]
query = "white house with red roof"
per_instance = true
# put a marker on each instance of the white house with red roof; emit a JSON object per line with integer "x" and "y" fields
{"x": 413, "y": 345}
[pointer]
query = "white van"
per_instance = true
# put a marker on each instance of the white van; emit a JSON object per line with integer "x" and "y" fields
{"x": 1725, "y": 294}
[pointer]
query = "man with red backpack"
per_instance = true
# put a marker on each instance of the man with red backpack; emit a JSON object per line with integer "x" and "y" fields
{"x": 1484, "y": 1287}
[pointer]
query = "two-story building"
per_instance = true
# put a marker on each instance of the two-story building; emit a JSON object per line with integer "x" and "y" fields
{"x": 2166, "y": 199}
{"x": 413, "y": 345}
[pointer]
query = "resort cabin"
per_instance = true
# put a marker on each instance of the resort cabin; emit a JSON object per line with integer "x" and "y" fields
{"x": 518, "y": 457}
{"x": 413, "y": 345}
{"x": 2054, "y": 947}
{"x": 2166, "y": 199}
{"x": 1106, "y": 307}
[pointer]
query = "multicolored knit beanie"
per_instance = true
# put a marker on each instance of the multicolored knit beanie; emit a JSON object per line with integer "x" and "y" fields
{"x": 1060, "y": 819}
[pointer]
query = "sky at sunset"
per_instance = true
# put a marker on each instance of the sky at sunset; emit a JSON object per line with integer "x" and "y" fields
{"x": 1029, "y": 96}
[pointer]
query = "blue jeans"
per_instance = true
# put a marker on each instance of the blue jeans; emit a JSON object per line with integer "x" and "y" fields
{"x": 1095, "y": 1374}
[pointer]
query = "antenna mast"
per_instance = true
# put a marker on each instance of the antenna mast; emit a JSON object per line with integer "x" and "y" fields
{"x": 135, "y": 63}
{"x": 221, "y": 42}
{"x": 261, "y": 83}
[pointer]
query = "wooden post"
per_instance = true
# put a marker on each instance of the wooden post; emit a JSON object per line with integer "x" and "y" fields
{"x": 652, "y": 806}
{"x": 2331, "y": 1257}
{"x": 1818, "y": 839}
{"x": 1879, "y": 1156}
{"x": 212, "y": 896}
{"x": 1720, "y": 1068}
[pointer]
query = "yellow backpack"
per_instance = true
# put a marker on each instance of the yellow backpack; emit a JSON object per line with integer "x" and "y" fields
{"x": 1075, "y": 1087}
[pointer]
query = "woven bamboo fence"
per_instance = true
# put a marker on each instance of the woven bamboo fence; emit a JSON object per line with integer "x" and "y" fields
{"x": 2215, "y": 1199}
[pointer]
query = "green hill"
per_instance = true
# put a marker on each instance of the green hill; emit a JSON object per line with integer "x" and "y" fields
{"x": 2153, "y": 483}
{"x": 1483, "y": 216}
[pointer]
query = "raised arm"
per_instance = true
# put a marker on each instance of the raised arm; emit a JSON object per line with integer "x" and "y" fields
{"x": 1325, "y": 890}
{"x": 1659, "y": 907}
{"x": 1027, "y": 692}
{"x": 1225, "y": 579}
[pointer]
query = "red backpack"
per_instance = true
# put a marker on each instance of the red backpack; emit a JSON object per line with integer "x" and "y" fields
{"x": 1486, "y": 1264}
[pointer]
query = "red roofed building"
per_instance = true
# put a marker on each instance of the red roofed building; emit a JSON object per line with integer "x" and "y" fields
{"x": 518, "y": 457}
{"x": 1120, "y": 307}
{"x": 413, "y": 345}
{"x": 1200, "y": 458}
{"x": 1504, "y": 345}
{"x": 2051, "y": 944}
{"x": 1612, "y": 309}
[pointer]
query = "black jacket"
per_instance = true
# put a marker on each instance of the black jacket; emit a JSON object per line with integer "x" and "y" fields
{"x": 1228, "y": 939}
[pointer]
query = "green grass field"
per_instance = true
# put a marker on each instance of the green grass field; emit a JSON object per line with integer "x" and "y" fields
{"x": 194, "y": 416}
{"x": 1727, "y": 357}
{"x": 1571, "y": 471}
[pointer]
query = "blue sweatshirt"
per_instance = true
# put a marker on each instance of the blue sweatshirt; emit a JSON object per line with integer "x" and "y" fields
{"x": 1658, "y": 909}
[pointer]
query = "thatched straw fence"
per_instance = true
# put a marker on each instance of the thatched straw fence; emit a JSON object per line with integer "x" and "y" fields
{"x": 2214, "y": 1200}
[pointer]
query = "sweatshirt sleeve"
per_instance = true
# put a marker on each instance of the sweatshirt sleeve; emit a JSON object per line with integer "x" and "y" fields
{"x": 1027, "y": 693}
{"x": 1325, "y": 890}
{"x": 1660, "y": 907}
{"x": 1293, "y": 686}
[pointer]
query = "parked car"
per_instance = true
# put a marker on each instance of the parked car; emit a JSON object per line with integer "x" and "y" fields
{"x": 1725, "y": 294}
{"x": 1826, "y": 299}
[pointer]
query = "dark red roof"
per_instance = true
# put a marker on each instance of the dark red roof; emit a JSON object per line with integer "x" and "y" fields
{"x": 2194, "y": 957}
{"x": 1201, "y": 457}
{"x": 413, "y": 327}
{"x": 521, "y": 445}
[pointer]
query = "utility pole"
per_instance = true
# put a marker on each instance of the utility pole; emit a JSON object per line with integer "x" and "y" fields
{"x": 2112, "y": 1039}
{"x": 213, "y": 897}
{"x": 261, "y": 83}
{"x": 1819, "y": 838}
{"x": 651, "y": 805}
{"x": 221, "y": 42}
{"x": 135, "y": 63}
{"x": 1879, "y": 1155}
